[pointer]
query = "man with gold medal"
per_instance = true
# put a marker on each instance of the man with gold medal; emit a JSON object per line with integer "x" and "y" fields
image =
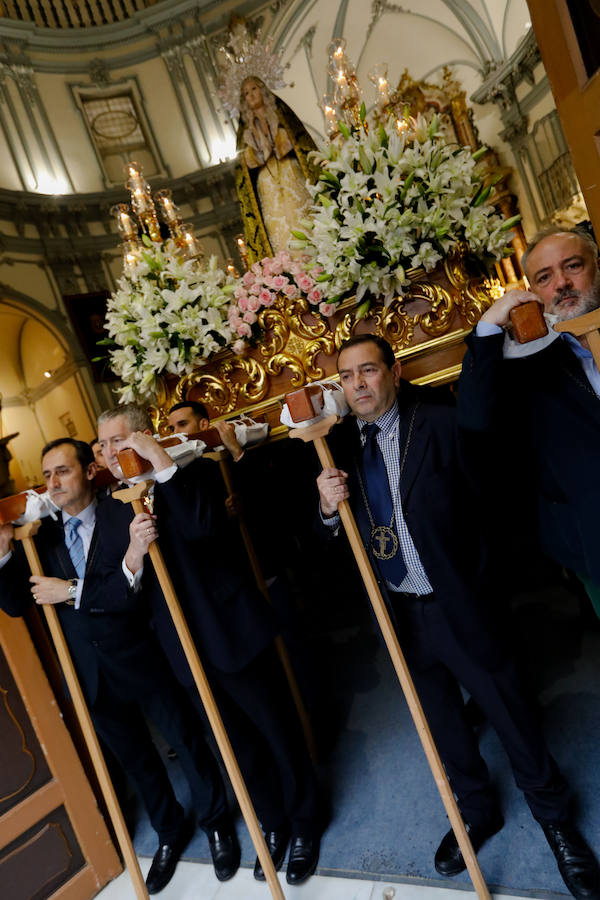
{"x": 403, "y": 471}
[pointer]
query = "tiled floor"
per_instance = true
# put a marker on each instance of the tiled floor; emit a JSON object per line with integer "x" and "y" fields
{"x": 193, "y": 881}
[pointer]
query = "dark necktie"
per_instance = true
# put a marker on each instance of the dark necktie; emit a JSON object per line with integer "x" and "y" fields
{"x": 380, "y": 503}
{"x": 75, "y": 545}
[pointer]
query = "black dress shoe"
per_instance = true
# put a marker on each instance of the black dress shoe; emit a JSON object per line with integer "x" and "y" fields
{"x": 303, "y": 859}
{"x": 225, "y": 851}
{"x": 276, "y": 842}
{"x": 576, "y": 862}
{"x": 165, "y": 860}
{"x": 449, "y": 859}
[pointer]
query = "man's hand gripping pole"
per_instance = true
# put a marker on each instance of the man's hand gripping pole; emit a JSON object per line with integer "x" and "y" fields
{"x": 317, "y": 433}
{"x": 25, "y": 534}
{"x": 134, "y": 495}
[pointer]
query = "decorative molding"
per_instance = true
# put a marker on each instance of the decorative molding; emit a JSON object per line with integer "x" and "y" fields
{"x": 501, "y": 84}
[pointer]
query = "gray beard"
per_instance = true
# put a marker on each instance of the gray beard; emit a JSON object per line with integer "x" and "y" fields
{"x": 587, "y": 302}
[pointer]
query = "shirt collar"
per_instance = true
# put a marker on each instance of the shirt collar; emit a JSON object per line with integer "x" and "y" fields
{"x": 87, "y": 516}
{"x": 576, "y": 346}
{"x": 386, "y": 422}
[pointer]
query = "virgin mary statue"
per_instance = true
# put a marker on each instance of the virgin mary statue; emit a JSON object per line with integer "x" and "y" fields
{"x": 273, "y": 147}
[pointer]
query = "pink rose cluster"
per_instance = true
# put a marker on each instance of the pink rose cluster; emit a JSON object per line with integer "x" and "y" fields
{"x": 260, "y": 286}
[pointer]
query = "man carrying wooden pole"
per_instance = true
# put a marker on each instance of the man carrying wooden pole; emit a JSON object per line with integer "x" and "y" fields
{"x": 415, "y": 515}
{"x": 122, "y": 669}
{"x": 191, "y": 417}
{"x": 231, "y": 626}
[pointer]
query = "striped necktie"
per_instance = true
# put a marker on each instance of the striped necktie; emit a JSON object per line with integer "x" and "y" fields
{"x": 75, "y": 545}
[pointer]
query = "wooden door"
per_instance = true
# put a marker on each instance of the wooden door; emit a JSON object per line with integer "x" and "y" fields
{"x": 568, "y": 35}
{"x": 53, "y": 840}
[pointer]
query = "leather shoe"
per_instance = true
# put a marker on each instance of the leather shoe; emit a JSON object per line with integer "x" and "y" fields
{"x": 165, "y": 860}
{"x": 449, "y": 859}
{"x": 276, "y": 842}
{"x": 225, "y": 851}
{"x": 303, "y": 859}
{"x": 576, "y": 862}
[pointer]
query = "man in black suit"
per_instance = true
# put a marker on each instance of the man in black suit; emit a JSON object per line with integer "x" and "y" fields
{"x": 233, "y": 628}
{"x": 122, "y": 670}
{"x": 402, "y": 471}
{"x": 542, "y": 409}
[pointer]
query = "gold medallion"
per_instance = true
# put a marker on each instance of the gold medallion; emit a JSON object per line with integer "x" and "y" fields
{"x": 384, "y": 542}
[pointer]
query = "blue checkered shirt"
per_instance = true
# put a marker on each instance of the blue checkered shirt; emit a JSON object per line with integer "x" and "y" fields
{"x": 415, "y": 580}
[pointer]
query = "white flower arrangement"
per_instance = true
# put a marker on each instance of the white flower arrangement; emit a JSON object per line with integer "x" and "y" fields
{"x": 387, "y": 201}
{"x": 167, "y": 315}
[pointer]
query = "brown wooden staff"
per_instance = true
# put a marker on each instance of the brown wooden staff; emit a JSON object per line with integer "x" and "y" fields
{"x": 25, "y": 534}
{"x": 134, "y": 496}
{"x": 316, "y": 433}
{"x": 221, "y": 457}
{"x": 585, "y": 326}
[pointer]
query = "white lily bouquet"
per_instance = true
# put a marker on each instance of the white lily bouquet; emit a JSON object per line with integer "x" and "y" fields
{"x": 167, "y": 315}
{"x": 390, "y": 200}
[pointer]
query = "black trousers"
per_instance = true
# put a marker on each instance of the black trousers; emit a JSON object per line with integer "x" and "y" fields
{"x": 260, "y": 718}
{"x": 438, "y": 663}
{"x": 123, "y": 728}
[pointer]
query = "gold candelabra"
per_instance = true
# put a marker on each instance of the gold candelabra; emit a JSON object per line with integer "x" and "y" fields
{"x": 343, "y": 103}
{"x": 142, "y": 205}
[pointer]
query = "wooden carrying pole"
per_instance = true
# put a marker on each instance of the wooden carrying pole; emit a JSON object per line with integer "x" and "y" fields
{"x": 282, "y": 652}
{"x": 584, "y": 326}
{"x": 134, "y": 496}
{"x": 25, "y": 534}
{"x": 316, "y": 433}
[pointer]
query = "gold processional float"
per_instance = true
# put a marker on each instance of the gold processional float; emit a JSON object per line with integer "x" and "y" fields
{"x": 426, "y": 326}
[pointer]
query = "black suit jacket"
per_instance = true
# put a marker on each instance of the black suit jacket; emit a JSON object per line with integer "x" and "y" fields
{"x": 230, "y": 620}
{"x": 542, "y": 410}
{"x": 441, "y": 509}
{"x": 106, "y": 636}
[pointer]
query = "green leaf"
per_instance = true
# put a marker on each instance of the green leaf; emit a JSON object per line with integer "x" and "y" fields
{"x": 344, "y": 130}
{"x": 146, "y": 240}
{"x": 106, "y": 342}
{"x": 364, "y": 160}
{"x": 482, "y": 196}
{"x": 330, "y": 178}
{"x": 299, "y": 235}
{"x": 407, "y": 184}
{"x": 383, "y": 136}
{"x": 360, "y": 207}
{"x": 506, "y": 226}
{"x": 480, "y": 153}
{"x": 362, "y": 111}
{"x": 363, "y": 309}
{"x": 325, "y": 276}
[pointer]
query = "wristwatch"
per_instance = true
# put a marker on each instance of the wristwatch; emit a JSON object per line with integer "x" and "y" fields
{"x": 72, "y": 592}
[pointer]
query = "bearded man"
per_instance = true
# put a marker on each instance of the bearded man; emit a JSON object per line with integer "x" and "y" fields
{"x": 542, "y": 409}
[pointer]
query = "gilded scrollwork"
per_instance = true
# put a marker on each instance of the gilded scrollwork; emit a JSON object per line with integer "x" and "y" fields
{"x": 241, "y": 380}
{"x": 281, "y": 361}
{"x": 439, "y": 317}
{"x": 299, "y": 345}
{"x": 276, "y": 328}
{"x": 396, "y": 326}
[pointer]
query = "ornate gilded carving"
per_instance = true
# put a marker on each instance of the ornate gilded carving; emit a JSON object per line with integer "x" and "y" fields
{"x": 299, "y": 345}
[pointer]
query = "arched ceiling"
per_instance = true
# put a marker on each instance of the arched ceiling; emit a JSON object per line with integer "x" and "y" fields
{"x": 165, "y": 53}
{"x": 472, "y": 36}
